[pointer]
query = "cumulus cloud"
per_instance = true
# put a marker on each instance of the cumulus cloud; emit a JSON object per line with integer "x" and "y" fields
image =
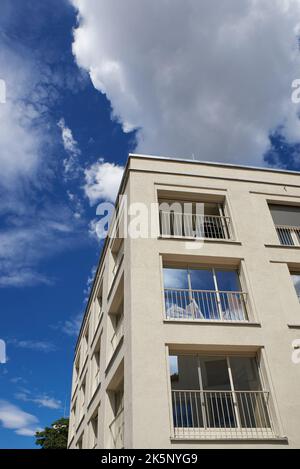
{"x": 102, "y": 181}
{"x": 210, "y": 79}
{"x": 14, "y": 418}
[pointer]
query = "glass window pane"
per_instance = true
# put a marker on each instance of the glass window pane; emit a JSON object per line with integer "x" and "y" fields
{"x": 202, "y": 279}
{"x": 175, "y": 278}
{"x": 245, "y": 374}
{"x": 219, "y": 405}
{"x": 215, "y": 374}
{"x": 228, "y": 280}
{"x": 211, "y": 209}
{"x": 186, "y": 397}
{"x": 296, "y": 281}
{"x": 252, "y": 406}
{"x": 184, "y": 372}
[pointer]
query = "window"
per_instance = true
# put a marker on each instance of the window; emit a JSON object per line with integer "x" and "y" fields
{"x": 85, "y": 345}
{"x": 74, "y": 417}
{"x": 117, "y": 424}
{"x": 117, "y": 327}
{"x": 204, "y": 293}
{"x": 216, "y": 393}
{"x": 100, "y": 300}
{"x": 117, "y": 255}
{"x": 94, "y": 430}
{"x": 82, "y": 398}
{"x": 95, "y": 379}
{"x": 296, "y": 282}
{"x": 76, "y": 368}
{"x": 286, "y": 219}
{"x": 200, "y": 219}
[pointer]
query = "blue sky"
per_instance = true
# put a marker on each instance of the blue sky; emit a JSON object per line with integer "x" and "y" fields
{"x": 82, "y": 92}
{"x": 40, "y": 308}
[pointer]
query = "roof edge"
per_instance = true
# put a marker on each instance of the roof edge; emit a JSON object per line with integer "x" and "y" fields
{"x": 211, "y": 163}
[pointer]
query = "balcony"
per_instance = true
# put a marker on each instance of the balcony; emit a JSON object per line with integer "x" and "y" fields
{"x": 187, "y": 225}
{"x": 206, "y": 305}
{"x": 116, "y": 429}
{"x": 117, "y": 334}
{"x": 221, "y": 415}
{"x": 288, "y": 235}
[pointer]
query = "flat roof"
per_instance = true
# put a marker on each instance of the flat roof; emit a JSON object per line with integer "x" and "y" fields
{"x": 213, "y": 163}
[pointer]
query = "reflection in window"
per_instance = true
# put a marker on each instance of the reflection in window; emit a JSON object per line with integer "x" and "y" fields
{"x": 213, "y": 294}
{"x": 217, "y": 392}
{"x": 296, "y": 281}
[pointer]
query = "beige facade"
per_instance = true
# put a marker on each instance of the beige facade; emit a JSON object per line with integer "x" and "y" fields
{"x": 189, "y": 339}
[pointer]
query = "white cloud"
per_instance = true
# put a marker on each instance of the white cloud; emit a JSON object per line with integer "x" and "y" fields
{"x": 71, "y": 326}
{"x": 35, "y": 345}
{"x": 89, "y": 282}
{"x": 32, "y": 227}
{"x": 41, "y": 400}
{"x": 23, "y": 137}
{"x": 71, "y": 164}
{"x": 31, "y": 235}
{"x": 27, "y": 431}
{"x": 207, "y": 78}
{"x": 14, "y": 418}
{"x": 102, "y": 181}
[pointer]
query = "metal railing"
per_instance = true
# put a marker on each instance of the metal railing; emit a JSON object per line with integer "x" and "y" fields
{"x": 205, "y": 305}
{"x": 288, "y": 235}
{"x": 116, "y": 428}
{"x": 117, "y": 335}
{"x": 221, "y": 414}
{"x": 187, "y": 225}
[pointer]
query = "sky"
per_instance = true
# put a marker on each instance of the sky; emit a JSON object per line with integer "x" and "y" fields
{"x": 87, "y": 82}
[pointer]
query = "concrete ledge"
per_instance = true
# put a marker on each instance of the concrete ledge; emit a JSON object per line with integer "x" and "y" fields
{"x": 212, "y": 323}
{"x": 284, "y": 246}
{"x": 202, "y": 240}
{"x": 278, "y": 440}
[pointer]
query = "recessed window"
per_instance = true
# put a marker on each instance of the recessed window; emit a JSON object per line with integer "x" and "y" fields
{"x": 296, "y": 281}
{"x": 96, "y": 366}
{"x": 193, "y": 219}
{"x": 286, "y": 219}
{"x": 94, "y": 430}
{"x": 204, "y": 293}
{"x": 218, "y": 396}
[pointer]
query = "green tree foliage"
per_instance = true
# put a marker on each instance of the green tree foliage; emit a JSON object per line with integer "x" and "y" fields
{"x": 54, "y": 437}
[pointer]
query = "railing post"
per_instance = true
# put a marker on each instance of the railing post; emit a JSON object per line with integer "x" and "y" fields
{"x": 294, "y": 237}
{"x": 235, "y": 402}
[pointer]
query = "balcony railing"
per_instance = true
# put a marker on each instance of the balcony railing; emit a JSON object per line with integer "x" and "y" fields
{"x": 208, "y": 305}
{"x": 117, "y": 430}
{"x": 186, "y": 225}
{"x": 288, "y": 235}
{"x": 221, "y": 414}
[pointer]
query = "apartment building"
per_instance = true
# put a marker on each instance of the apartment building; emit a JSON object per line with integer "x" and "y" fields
{"x": 190, "y": 337}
